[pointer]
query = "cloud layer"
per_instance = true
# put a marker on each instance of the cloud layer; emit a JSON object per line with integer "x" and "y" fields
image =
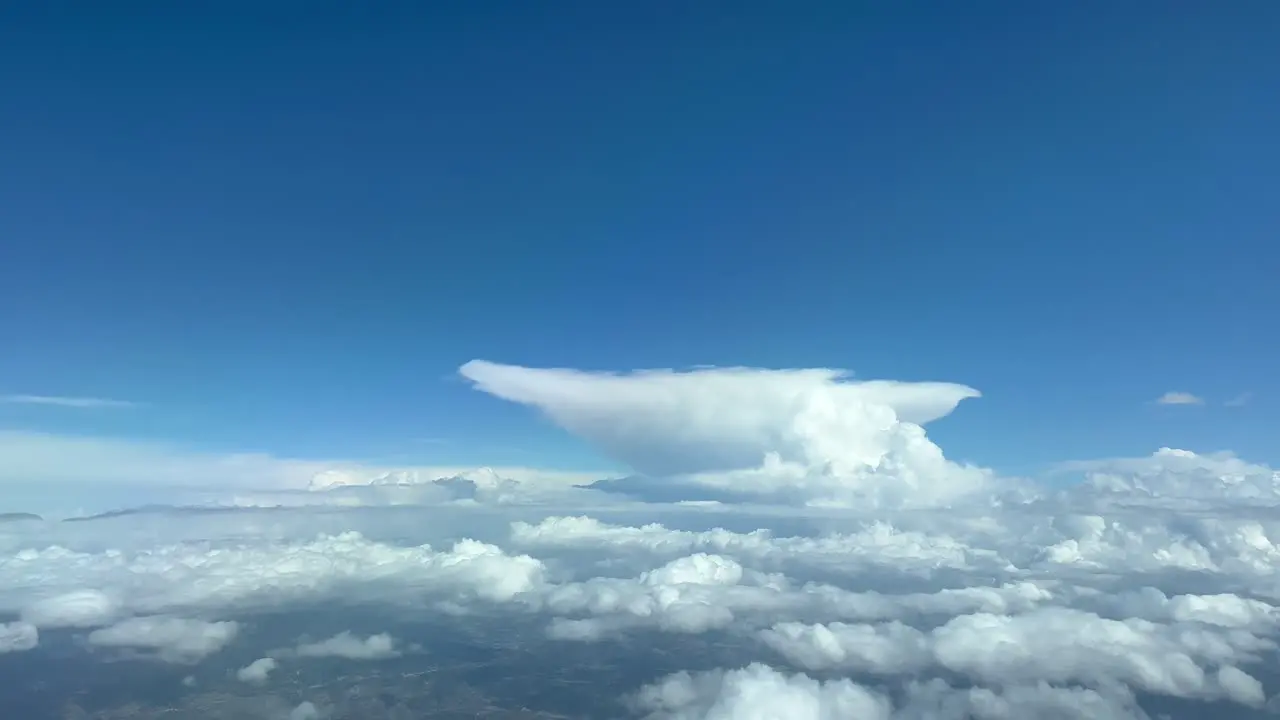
{"x": 849, "y": 569}
{"x": 1073, "y": 607}
{"x": 68, "y": 475}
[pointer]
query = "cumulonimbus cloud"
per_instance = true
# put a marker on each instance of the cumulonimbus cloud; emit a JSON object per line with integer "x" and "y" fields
{"x": 662, "y": 422}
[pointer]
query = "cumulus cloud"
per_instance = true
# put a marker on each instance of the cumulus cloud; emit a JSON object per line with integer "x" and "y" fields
{"x": 77, "y": 608}
{"x": 18, "y": 636}
{"x": 884, "y": 581}
{"x": 873, "y": 542}
{"x": 346, "y": 645}
{"x": 702, "y": 592}
{"x": 1055, "y": 645}
{"x": 200, "y": 577}
{"x": 256, "y": 672}
{"x": 1174, "y": 397}
{"x": 1036, "y": 611}
{"x": 1180, "y": 475}
{"x": 758, "y": 691}
{"x": 63, "y": 401}
{"x": 771, "y": 433}
{"x": 173, "y": 639}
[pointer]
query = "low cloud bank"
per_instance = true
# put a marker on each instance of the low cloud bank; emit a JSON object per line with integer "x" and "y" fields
{"x": 885, "y": 582}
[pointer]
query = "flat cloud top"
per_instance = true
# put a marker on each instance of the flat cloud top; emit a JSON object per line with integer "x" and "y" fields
{"x": 662, "y": 422}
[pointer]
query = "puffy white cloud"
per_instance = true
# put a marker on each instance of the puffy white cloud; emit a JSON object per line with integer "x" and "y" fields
{"x": 77, "y": 608}
{"x": 1056, "y": 645}
{"x": 799, "y": 435}
{"x": 1174, "y": 397}
{"x": 1038, "y": 608}
{"x": 1223, "y": 610}
{"x": 346, "y": 645}
{"x": 174, "y": 639}
{"x": 875, "y": 542}
{"x": 758, "y": 691}
{"x": 1173, "y": 475}
{"x": 257, "y": 671}
{"x": 762, "y": 692}
{"x": 702, "y": 592}
{"x": 18, "y": 636}
{"x": 907, "y": 586}
{"x": 49, "y": 583}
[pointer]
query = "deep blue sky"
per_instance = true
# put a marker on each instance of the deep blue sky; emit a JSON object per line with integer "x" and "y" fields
{"x": 284, "y": 229}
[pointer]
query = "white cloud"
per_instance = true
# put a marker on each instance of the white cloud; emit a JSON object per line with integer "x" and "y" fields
{"x": 1173, "y": 474}
{"x": 67, "y": 402}
{"x": 944, "y": 594}
{"x": 1174, "y": 397}
{"x": 257, "y": 671}
{"x": 75, "y": 608}
{"x": 37, "y": 468}
{"x": 174, "y": 639}
{"x": 1240, "y": 400}
{"x": 721, "y": 419}
{"x": 800, "y": 435}
{"x": 967, "y": 593}
{"x": 1055, "y": 645}
{"x": 199, "y": 577}
{"x": 18, "y": 637}
{"x": 701, "y": 592}
{"x": 875, "y": 542}
{"x": 758, "y": 691}
{"x": 346, "y": 645}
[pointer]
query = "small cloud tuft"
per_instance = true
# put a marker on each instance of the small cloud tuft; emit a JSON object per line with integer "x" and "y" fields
{"x": 1179, "y": 398}
{"x": 1240, "y": 400}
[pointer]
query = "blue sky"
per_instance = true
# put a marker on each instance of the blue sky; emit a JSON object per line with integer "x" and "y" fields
{"x": 283, "y": 230}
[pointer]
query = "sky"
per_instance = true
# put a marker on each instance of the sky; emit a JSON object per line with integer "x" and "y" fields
{"x": 284, "y": 230}
{"x": 906, "y": 361}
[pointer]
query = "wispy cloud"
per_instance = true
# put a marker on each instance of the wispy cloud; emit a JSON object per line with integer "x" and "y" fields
{"x": 68, "y": 402}
{"x": 430, "y": 441}
{"x": 42, "y": 460}
{"x": 1240, "y": 400}
{"x": 1179, "y": 398}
